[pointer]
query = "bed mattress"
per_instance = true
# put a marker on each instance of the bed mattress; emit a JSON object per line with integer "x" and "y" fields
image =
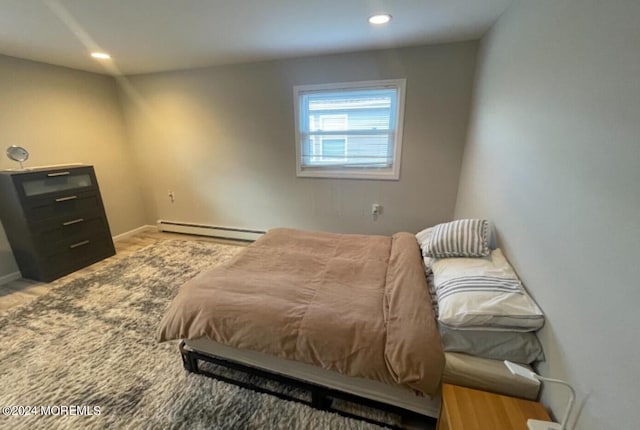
{"x": 355, "y": 304}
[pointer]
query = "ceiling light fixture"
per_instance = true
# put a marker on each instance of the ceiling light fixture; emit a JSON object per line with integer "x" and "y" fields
{"x": 379, "y": 19}
{"x": 100, "y": 55}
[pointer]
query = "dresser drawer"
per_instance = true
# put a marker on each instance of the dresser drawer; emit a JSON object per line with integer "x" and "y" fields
{"x": 55, "y": 181}
{"x": 69, "y": 232}
{"x": 70, "y": 221}
{"x": 68, "y": 258}
{"x": 63, "y": 207}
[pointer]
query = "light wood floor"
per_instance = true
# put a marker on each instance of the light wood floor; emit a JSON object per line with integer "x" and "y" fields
{"x": 21, "y": 291}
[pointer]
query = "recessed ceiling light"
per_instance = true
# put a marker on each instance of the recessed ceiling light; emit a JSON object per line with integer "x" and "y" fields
{"x": 100, "y": 55}
{"x": 380, "y": 19}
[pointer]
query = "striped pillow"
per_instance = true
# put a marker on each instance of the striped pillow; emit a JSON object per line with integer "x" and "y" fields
{"x": 461, "y": 238}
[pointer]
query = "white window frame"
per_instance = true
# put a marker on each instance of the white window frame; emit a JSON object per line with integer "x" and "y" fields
{"x": 391, "y": 173}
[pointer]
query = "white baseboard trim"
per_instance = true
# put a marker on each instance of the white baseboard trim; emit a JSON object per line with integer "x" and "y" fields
{"x": 134, "y": 231}
{"x": 4, "y": 279}
{"x": 234, "y": 233}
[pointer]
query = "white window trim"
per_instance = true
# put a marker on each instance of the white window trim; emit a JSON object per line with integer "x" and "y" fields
{"x": 392, "y": 174}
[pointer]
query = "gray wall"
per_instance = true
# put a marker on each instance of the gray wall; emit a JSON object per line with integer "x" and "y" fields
{"x": 553, "y": 157}
{"x": 222, "y": 139}
{"x": 64, "y": 116}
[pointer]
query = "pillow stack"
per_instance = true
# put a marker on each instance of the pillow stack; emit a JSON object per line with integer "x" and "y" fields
{"x": 482, "y": 307}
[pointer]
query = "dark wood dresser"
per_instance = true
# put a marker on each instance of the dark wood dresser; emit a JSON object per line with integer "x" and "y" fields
{"x": 54, "y": 219}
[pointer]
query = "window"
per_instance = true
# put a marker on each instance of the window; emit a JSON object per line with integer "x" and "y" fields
{"x": 350, "y": 130}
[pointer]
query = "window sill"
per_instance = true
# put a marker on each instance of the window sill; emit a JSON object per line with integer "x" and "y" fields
{"x": 380, "y": 175}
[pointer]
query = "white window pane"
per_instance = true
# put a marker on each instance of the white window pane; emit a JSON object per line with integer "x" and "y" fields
{"x": 349, "y": 128}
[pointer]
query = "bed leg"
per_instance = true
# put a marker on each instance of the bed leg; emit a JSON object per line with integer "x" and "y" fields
{"x": 319, "y": 400}
{"x": 189, "y": 362}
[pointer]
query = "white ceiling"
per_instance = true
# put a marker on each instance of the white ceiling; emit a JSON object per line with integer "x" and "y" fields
{"x": 155, "y": 35}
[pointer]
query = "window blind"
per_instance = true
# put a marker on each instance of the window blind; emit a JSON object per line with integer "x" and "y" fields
{"x": 351, "y": 128}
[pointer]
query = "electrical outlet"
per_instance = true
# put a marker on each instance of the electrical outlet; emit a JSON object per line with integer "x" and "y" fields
{"x": 172, "y": 196}
{"x": 376, "y": 210}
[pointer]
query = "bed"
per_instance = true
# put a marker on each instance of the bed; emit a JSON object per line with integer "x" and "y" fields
{"x": 346, "y": 314}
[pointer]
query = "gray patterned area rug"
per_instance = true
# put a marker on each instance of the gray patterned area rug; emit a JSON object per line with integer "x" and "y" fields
{"x": 90, "y": 343}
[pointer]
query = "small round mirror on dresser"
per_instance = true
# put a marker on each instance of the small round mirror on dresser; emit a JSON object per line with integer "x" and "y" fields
{"x": 18, "y": 153}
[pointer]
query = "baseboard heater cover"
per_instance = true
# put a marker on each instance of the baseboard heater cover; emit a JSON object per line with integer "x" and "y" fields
{"x": 248, "y": 235}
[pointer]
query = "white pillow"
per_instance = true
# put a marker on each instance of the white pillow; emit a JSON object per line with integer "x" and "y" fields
{"x": 423, "y": 238}
{"x": 483, "y": 294}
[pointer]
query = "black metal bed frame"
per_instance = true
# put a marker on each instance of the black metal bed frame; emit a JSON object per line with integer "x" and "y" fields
{"x": 321, "y": 396}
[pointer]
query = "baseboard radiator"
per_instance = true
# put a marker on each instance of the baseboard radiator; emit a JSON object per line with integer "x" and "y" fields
{"x": 234, "y": 233}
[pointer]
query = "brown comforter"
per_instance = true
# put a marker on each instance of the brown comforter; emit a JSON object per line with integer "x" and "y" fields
{"x": 351, "y": 303}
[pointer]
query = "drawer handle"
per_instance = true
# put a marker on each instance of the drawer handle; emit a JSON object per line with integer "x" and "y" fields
{"x": 75, "y": 221}
{"x": 76, "y": 245}
{"x": 58, "y": 174}
{"x": 64, "y": 199}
